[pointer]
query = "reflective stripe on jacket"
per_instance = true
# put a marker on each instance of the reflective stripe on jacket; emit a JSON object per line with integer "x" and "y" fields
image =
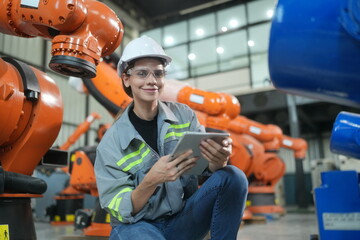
{"x": 123, "y": 158}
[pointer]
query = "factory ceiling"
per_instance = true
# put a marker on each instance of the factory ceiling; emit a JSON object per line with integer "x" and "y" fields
{"x": 314, "y": 118}
{"x": 160, "y": 12}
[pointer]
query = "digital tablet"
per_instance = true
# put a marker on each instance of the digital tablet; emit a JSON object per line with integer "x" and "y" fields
{"x": 191, "y": 140}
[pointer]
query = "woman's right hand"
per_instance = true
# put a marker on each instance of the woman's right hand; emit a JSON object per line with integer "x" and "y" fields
{"x": 169, "y": 168}
{"x": 166, "y": 169}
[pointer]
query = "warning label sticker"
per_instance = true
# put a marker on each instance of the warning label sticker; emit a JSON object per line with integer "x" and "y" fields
{"x": 341, "y": 221}
{"x": 4, "y": 232}
{"x": 30, "y": 3}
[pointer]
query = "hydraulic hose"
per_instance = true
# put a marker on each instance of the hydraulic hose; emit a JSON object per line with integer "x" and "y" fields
{"x": 11, "y": 182}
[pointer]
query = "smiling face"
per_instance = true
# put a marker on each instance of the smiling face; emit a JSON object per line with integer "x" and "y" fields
{"x": 146, "y": 80}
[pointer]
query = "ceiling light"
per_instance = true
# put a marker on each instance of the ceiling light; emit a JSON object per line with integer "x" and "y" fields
{"x": 233, "y": 23}
{"x": 270, "y": 13}
{"x": 200, "y": 32}
{"x": 169, "y": 40}
{"x": 224, "y": 29}
{"x": 192, "y": 56}
{"x": 220, "y": 50}
{"x": 251, "y": 43}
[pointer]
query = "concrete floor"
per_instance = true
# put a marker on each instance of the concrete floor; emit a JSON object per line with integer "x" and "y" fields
{"x": 294, "y": 225}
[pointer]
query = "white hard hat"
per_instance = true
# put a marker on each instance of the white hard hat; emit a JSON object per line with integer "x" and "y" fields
{"x": 140, "y": 48}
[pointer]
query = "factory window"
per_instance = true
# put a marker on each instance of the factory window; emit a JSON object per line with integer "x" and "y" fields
{"x": 178, "y": 68}
{"x": 259, "y": 38}
{"x": 175, "y": 34}
{"x": 224, "y": 40}
{"x": 202, "y": 27}
{"x": 260, "y": 10}
{"x": 232, "y": 51}
{"x": 258, "y": 44}
{"x": 259, "y": 70}
{"x": 154, "y": 34}
{"x": 231, "y": 18}
{"x": 202, "y": 56}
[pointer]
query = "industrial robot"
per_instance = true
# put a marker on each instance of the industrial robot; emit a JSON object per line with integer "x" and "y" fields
{"x": 314, "y": 52}
{"x": 30, "y": 102}
{"x": 70, "y": 199}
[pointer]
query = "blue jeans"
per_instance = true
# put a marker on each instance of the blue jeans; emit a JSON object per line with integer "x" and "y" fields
{"x": 217, "y": 206}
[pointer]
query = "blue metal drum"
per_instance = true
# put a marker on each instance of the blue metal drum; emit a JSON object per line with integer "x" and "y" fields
{"x": 345, "y": 136}
{"x": 314, "y": 49}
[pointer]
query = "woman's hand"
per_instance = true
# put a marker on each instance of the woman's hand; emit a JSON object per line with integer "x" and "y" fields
{"x": 217, "y": 154}
{"x": 166, "y": 169}
{"x": 169, "y": 168}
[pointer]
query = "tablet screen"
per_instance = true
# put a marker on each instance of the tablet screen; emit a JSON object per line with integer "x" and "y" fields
{"x": 191, "y": 140}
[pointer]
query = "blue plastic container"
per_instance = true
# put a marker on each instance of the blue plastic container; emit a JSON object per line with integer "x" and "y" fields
{"x": 337, "y": 203}
{"x": 314, "y": 49}
{"x": 345, "y": 136}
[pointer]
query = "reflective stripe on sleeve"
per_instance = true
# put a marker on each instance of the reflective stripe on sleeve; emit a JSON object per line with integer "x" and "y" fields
{"x": 115, "y": 203}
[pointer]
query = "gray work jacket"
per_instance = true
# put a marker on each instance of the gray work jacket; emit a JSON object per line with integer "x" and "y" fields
{"x": 123, "y": 158}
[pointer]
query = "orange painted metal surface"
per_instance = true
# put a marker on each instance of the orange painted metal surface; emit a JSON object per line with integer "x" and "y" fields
{"x": 84, "y": 30}
{"x": 82, "y": 175}
{"x": 20, "y": 195}
{"x": 267, "y": 209}
{"x": 247, "y": 214}
{"x": 249, "y": 155}
{"x": 232, "y": 105}
{"x": 272, "y": 145}
{"x": 298, "y": 145}
{"x": 260, "y": 131}
{"x": 98, "y": 229}
{"x": 268, "y": 169}
{"x": 245, "y": 150}
{"x": 27, "y": 128}
{"x": 219, "y": 107}
{"x": 211, "y": 103}
{"x": 201, "y": 117}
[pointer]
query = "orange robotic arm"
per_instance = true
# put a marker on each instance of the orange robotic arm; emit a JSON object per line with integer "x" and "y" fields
{"x": 260, "y": 131}
{"x": 245, "y": 150}
{"x": 219, "y": 107}
{"x": 31, "y": 115}
{"x": 82, "y": 31}
{"x": 268, "y": 134}
{"x": 267, "y": 168}
{"x": 299, "y": 146}
{"x": 81, "y": 129}
{"x": 107, "y": 89}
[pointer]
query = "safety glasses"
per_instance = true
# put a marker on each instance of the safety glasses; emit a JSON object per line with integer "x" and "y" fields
{"x": 144, "y": 73}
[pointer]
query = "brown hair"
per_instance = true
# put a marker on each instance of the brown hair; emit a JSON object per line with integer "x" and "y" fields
{"x": 128, "y": 89}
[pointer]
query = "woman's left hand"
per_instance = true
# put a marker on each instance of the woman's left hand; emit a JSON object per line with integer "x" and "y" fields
{"x": 217, "y": 154}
